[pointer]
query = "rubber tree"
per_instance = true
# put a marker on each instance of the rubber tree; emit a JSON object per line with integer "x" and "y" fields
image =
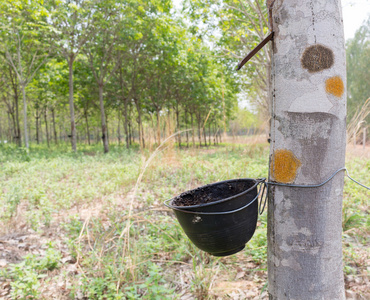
{"x": 25, "y": 39}
{"x": 72, "y": 22}
{"x": 308, "y": 139}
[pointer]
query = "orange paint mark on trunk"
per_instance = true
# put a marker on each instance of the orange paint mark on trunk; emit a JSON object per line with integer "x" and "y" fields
{"x": 334, "y": 86}
{"x": 284, "y": 166}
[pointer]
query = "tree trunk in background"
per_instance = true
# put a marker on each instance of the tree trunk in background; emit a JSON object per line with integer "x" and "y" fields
{"x": 54, "y": 126}
{"x": 158, "y": 127}
{"x": 37, "y": 129}
{"x": 119, "y": 127}
{"x": 308, "y": 136}
{"x": 186, "y": 126}
{"x": 127, "y": 134}
{"x": 199, "y": 131}
{"x": 1, "y": 132}
{"x": 106, "y": 124}
{"x": 205, "y": 135}
{"x": 9, "y": 127}
{"x": 17, "y": 117}
{"x": 142, "y": 134}
{"x": 193, "y": 129}
{"x": 15, "y": 85}
{"x": 14, "y": 126}
{"x": 46, "y": 127}
{"x": 23, "y": 86}
{"x": 103, "y": 120}
{"x": 71, "y": 105}
{"x": 139, "y": 124}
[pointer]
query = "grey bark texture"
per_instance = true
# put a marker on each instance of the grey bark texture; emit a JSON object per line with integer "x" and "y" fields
{"x": 103, "y": 119}
{"x": 23, "y": 87}
{"x": 308, "y": 140}
{"x": 71, "y": 104}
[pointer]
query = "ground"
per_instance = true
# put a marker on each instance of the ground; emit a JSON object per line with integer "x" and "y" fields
{"x": 93, "y": 226}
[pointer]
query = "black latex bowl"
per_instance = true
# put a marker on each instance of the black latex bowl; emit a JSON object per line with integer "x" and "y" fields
{"x": 226, "y": 221}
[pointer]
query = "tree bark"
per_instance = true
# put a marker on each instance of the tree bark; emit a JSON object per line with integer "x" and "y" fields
{"x": 9, "y": 127}
{"x": 71, "y": 105}
{"x": 119, "y": 126}
{"x": 199, "y": 130}
{"x": 23, "y": 86}
{"x": 139, "y": 123}
{"x": 308, "y": 128}
{"x": 37, "y": 128}
{"x": 46, "y": 127}
{"x": 193, "y": 129}
{"x": 158, "y": 126}
{"x": 103, "y": 120}
{"x": 128, "y": 139}
{"x": 16, "y": 98}
{"x": 178, "y": 124}
{"x": 1, "y": 132}
{"x": 129, "y": 133}
{"x": 54, "y": 126}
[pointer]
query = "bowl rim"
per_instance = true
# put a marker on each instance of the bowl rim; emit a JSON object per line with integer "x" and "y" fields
{"x": 256, "y": 182}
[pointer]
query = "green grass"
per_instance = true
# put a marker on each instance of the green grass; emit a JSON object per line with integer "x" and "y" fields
{"x": 86, "y": 196}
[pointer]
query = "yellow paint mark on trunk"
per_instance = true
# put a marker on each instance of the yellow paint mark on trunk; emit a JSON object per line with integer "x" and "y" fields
{"x": 334, "y": 86}
{"x": 284, "y": 166}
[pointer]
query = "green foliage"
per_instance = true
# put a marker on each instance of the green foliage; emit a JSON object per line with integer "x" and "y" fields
{"x": 26, "y": 275}
{"x": 358, "y": 69}
{"x": 236, "y": 27}
{"x": 57, "y": 180}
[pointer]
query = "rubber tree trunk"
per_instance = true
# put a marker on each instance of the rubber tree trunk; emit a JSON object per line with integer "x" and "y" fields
{"x": 23, "y": 87}
{"x": 54, "y": 126}
{"x": 19, "y": 139}
{"x": 119, "y": 126}
{"x": 46, "y": 127}
{"x": 103, "y": 119}
{"x": 127, "y": 134}
{"x": 71, "y": 105}
{"x": 308, "y": 128}
{"x": 158, "y": 126}
{"x": 37, "y": 128}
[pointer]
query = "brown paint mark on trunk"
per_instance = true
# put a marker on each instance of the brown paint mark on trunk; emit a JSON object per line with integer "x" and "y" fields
{"x": 317, "y": 58}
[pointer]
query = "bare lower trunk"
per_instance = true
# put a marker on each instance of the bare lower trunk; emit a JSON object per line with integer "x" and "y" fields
{"x": 119, "y": 127}
{"x": 308, "y": 128}
{"x": 205, "y": 136}
{"x": 158, "y": 128}
{"x": 37, "y": 130}
{"x": 103, "y": 120}
{"x": 87, "y": 129}
{"x": 139, "y": 124}
{"x": 54, "y": 126}
{"x": 9, "y": 127}
{"x": 1, "y": 131}
{"x": 14, "y": 127}
{"x": 142, "y": 134}
{"x": 199, "y": 131}
{"x": 23, "y": 86}
{"x": 186, "y": 126}
{"x": 71, "y": 105}
{"x": 178, "y": 126}
{"x": 193, "y": 129}
{"x": 46, "y": 127}
{"x": 19, "y": 139}
{"x": 127, "y": 134}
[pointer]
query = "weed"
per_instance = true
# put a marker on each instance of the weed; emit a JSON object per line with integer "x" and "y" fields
{"x": 26, "y": 275}
{"x": 131, "y": 247}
